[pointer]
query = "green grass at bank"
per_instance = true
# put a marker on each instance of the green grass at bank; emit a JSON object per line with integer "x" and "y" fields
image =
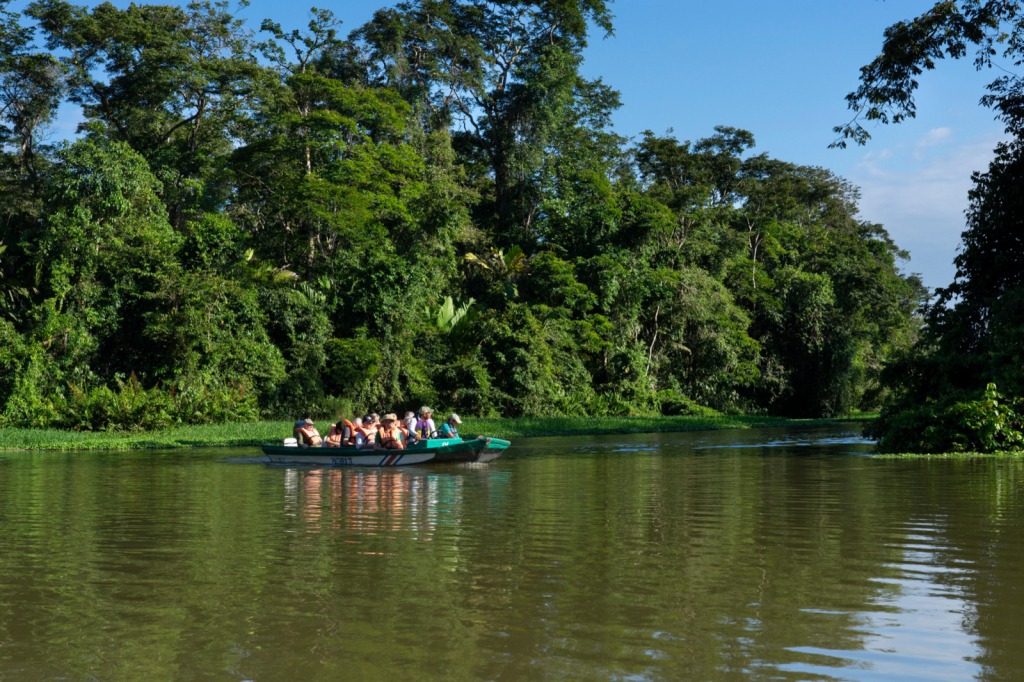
{"x": 256, "y": 433}
{"x": 525, "y": 427}
{"x": 208, "y": 435}
{"x": 953, "y": 455}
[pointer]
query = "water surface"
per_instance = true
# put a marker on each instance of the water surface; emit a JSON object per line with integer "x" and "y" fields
{"x": 772, "y": 554}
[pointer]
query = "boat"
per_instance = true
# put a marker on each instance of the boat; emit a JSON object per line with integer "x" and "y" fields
{"x": 426, "y": 451}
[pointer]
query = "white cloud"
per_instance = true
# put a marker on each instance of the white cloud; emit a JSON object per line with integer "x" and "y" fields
{"x": 919, "y": 192}
{"x": 934, "y": 137}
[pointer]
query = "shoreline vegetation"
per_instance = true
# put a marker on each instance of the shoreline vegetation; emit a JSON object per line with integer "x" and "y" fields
{"x": 257, "y": 433}
{"x": 299, "y": 222}
{"x": 253, "y": 220}
{"x": 951, "y": 455}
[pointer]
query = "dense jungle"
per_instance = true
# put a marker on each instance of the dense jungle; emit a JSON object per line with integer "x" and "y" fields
{"x": 433, "y": 208}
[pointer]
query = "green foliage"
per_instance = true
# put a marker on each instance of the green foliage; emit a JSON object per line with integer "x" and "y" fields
{"x": 465, "y": 386}
{"x": 675, "y": 404}
{"x": 974, "y": 328}
{"x": 352, "y": 364}
{"x": 204, "y": 323}
{"x": 12, "y": 291}
{"x": 948, "y": 29}
{"x": 990, "y": 423}
{"x": 461, "y": 325}
{"x": 130, "y": 407}
{"x": 435, "y": 210}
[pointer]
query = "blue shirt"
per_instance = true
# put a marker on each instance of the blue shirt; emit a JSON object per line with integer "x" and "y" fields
{"x": 448, "y": 431}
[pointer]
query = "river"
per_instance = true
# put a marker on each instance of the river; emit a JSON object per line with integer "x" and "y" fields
{"x": 771, "y": 554}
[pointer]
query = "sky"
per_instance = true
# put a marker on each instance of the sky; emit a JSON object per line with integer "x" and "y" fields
{"x": 781, "y": 70}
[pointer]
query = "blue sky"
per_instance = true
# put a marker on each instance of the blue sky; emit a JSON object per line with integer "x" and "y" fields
{"x": 781, "y": 70}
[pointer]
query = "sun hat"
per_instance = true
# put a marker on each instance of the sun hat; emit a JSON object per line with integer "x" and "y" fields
{"x": 390, "y": 416}
{"x": 308, "y": 422}
{"x": 454, "y": 418}
{"x": 426, "y": 410}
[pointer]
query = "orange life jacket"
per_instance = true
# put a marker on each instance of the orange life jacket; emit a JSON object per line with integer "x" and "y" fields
{"x": 351, "y": 433}
{"x": 310, "y": 435}
{"x": 392, "y": 438}
{"x": 369, "y": 433}
{"x": 333, "y": 440}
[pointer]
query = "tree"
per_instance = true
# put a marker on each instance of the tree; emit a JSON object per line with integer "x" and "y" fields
{"x": 434, "y": 210}
{"x": 500, "y": 72}
{"x": 949, "y": 29}
{"x": 104, "y": 245}
{"x": 31, "y": 86}
{"x": 973, "y": 331}
{"x": 175, "y": 84}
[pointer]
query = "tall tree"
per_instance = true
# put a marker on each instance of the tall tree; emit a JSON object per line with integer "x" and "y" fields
{"x": 975, "y": 325}
{"x": 950, "y": 29}
{"x": 500, "y": 72}
{"x": 173, "y": 83}
{"x": 328, "y": 170}
{"x": 31, "y": 86}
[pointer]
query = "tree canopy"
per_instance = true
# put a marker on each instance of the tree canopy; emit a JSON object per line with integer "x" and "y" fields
{"x": 944, "y": 388}
{"x": 434, "y": 209}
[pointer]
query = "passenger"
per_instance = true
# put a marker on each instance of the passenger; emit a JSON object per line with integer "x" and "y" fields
{"x": 425, "y": 425}
{"x": 366, "y": 434}
{"x": 348, "y": 432}
{"x": 409, "y": 426}
{"x": 389, "y": 436}
{"x": 450, "y": 428}
{"x": 307, "y": 434}
{"x": 333, "y": 439}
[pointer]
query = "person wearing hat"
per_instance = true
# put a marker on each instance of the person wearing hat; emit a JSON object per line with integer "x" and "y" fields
{"x": 408, "y": 427}
{"x": 308, "y": 435}
{"x": 450, "y": 428}
{"x": 366, "y": 434}
{"x": 425, "y": 425}
{"x": 389, "y": 435}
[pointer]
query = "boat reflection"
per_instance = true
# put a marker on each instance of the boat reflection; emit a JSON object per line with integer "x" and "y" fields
{"x": 408, "y": 502}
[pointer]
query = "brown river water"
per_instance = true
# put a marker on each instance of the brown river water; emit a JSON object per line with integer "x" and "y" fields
{"x": 770, "y": 554}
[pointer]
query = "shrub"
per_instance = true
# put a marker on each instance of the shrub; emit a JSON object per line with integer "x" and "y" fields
{"x": 129, "y": 407}
{"x": 674, "y": 404}
{"x": 988, "y": 424}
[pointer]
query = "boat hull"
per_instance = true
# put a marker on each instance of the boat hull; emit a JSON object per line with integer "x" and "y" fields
{"x": 433, "y": 451}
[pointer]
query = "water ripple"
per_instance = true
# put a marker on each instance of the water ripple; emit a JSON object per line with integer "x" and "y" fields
{"x": 716, "y": 556}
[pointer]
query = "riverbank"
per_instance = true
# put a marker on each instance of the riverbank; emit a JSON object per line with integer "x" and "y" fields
{"x": 1008, "y": 454}
{"x": 256, "y": 433}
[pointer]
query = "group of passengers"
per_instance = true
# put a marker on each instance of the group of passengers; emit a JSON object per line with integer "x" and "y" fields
{"x": 373, "y": 432}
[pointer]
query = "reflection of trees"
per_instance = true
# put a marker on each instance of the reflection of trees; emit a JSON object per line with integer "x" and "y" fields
{"x": 700, "y": 566}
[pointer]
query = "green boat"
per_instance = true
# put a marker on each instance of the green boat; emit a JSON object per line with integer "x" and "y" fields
{"x": 426, "y": 451}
